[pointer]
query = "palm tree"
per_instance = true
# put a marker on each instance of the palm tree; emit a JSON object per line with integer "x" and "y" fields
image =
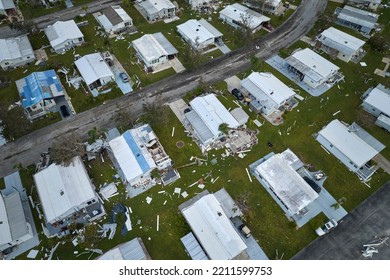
{"x": 224, "y": 128}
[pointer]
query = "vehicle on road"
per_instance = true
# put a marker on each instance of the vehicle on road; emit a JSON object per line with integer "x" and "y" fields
{"x": 124, "y": 77}
{"x": 64, "y": 111}
{"x": 327, "y": 227}
{"x": 238, "y": 94}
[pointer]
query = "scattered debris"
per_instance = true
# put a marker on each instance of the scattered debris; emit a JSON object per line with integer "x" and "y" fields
{"x": 148, "y": 200}
{"x": 213, "y": 181}
{"x": 178, "y": 191}
{"x": 165, "y": 202}
{"x": 334, "y": 114}
{"x": 173, "y": 131}
{"x": 249, "y": 176}
{"x": 201, "y": 186}
{"x": 158, "y": 222}
{"x": 363, "y": 64}
{"x": 32, "y": 254}
{"x": 184, "y": 194}
{"x": 75, "y": 242}
{"x": 108, "y": 228}
{"x": 109, "y": 191}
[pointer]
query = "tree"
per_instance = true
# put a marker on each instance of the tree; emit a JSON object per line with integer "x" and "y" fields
{"x": 224, "y": 128}
{"x": 192, "y": 55}
{"x": 65, "y": 149}
{"x": 124, "y": 118}
{"x": 14, "y": 122}
{"x": 27, "y": 26}
{"x": 379, "y": 43}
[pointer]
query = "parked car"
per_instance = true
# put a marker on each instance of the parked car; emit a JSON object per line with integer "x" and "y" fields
{"x": 124, "y": 77}
{"x": 327, "y": 227}
{"x": 238, "y": 94}
{"x": 245, "y": 230}
{"x": 186, "y": 110}
{"x": 64, "y": 111}
{"x": 312, "y": 184}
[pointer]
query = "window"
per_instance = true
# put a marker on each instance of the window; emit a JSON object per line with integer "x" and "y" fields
{"x": 7, "y": 63}
{"x": 80, "y": 39}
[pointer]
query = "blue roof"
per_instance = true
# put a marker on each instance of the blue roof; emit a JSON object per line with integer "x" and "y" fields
{"x": 136, "y": 151}
{"x": 36, "y": 87}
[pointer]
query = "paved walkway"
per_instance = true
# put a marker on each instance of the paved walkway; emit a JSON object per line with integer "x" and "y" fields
{"x": 176, "y": 65}
{"x": 382, "y": 162}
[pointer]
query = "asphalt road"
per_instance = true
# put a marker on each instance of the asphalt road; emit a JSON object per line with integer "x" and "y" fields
{"x": 65, "y": 14}
{"x": 360, "y": 227}
{"x": 26, "y": 150}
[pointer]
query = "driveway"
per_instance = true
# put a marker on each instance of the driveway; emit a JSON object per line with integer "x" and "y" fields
{"x": 233, "y": 82}
{"x": 124, "y": 87}
{"x": 371, "y": 219}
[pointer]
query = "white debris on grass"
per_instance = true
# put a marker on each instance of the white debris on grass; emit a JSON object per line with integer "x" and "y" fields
{"x": 249, "y": 176}
{"x": 201, "y": 186}
{"x": 158, "y": 222}
{"x": 74, "y": 242}
{"x": 173, "y": 131}
{"x": 257, "y": 123}
{"x": 363, "y": 64}
{"x": 32, "y": 254}
{"x": 108, "y": 228}
{"x": 184, "y": 194}
{"x": 109, "y": 191}
{"x": 178, "y": 191}
{"x": 128, "y": 221}
{"x": 148, "y": 200}
{"x": 165, "y": 202}
{"x": 213, "y": 181}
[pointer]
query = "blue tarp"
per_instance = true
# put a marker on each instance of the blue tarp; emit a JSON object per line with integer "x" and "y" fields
{"x": 37, "y": 87}
{"x": 136, "y": 151}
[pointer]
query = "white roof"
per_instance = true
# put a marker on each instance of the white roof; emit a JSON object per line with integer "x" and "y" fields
{"x": 7, "y": 4}
{"x": 61, "y": 31}
{"x": 213, "y": 229}
{"x": 237, "y": 12}
{"x": 348, "y": 143}
{"x": 154, "y": 6}
{"x": 288, "y": 185}
{"x": 379, "y": 98}
{"x": 121, "y": 13}
{"x": 267, "y": 83}
{"x": 5, "y": 231}
{"x": 213, "y": 113}
{"x": 63, "y": 188}
{"x": 133, "y": 159}
{"x": 315, "y": 62}
{"x": 15, "y": 48}
{"x": 340, "y": 40}
{"x": 150, "y": 47}
{"x": 92, "y": 67}
{"x": 131, "y": 250}
{"x": 198, "y": 29}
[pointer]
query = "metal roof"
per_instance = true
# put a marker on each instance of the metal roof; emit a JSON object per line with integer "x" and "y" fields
{"x": 131, "y": 250}
{"x": 92, "y": 67}
{"x": 5, "y": 232}
{"x": 16, "y": 217}
{"x": 240, "y": 115}
{"x": 312, "y": 64}
{"x": 213, "y": 113}
{"x": 239, "y": 12}
{"x": 348, "y": 143}
{"x": 61, "y": 31}
{"x": 358, "y": 16}
{"x": 201, "y": 129}
{"x": 193, "y": 247}
{"x": 15, "y": 48}
{"x": 62, "y": 189}
{"x": 112, "y": 16}
{"x": 267, "y": 89}
{"x": 38, "y": 86}
{"x": 155, "y": 6}
{"x": 131, "y": 152}
{"x": 287, "y": 184}
{"x": 379, "y": 98}
{"x": 227, "y": 203}
{"x": 341, "y": 41}
{"x": 153, "y": 46}
{"x": 213, "y": 229}
{"x": 199, "y": 30}
{"x": 7, "y": 4}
